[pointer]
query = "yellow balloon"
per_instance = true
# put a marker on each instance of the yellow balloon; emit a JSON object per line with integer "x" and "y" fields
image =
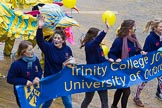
{"x": 69, "y": 3}
{"x": 105, "y": 49}
{"x": 110, "y": 17}
{"x": 116, "y": 32}
{"x": 1, "y": 75}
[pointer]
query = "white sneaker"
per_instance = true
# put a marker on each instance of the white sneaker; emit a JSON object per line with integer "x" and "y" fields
{"x": 159, "y": 95}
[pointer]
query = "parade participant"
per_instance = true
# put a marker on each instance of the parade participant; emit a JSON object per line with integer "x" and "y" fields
{"x": 94, "y": 55}
{"x": 47, "y": 36}
{"x": 152, "y": 43}
{"x": 125, "y": 45}
{"x": 56, "y": 54}
{"x": 26, "y": 69}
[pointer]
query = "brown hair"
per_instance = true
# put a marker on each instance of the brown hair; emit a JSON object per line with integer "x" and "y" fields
{"x": 60, "y": 31}
{"x": 22, "y": 48}
{"x": 125, "y": 26}
{"x": 153, "y": 24}
{"x": 91, "y": 34}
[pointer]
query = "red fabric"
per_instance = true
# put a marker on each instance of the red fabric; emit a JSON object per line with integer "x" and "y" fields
{"x": 58, "y": 3}
{"x": 35, "y": 12}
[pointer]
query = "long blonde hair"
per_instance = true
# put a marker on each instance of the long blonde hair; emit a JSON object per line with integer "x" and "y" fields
{"x": 152, "y": 24}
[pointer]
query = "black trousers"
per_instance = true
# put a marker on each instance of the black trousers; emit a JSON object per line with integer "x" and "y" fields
{"x": 17, "y": 99}
{"x": 124, "y": 95}
{"x": 89, "y": 95}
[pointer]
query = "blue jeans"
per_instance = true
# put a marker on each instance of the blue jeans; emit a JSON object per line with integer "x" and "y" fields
{"x": 67, "y": 101}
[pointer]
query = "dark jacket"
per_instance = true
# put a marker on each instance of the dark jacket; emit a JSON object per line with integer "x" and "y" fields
{"x": 115, "y": 51}
{"x": 93, "y": 51}
{"x": 54, "y": 57}
{"x": 152, "y": 42}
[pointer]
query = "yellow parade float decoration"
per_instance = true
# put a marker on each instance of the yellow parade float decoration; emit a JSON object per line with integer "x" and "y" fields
{"x": 15, "y": 24}
{"x": 22, "y": 4}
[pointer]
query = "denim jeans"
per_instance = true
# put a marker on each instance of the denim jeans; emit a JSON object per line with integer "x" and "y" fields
{"x": 67, "y": 101}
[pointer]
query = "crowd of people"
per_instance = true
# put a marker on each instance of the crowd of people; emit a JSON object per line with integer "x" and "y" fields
{"x": 26, "y": 69}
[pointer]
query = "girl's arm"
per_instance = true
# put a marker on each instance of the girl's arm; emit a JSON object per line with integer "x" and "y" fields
{"x": 40, "y": 40}
{"x": 115, "y": 50}
{"x": 101, "y": 35}
{"x": 147, "y": 45}
{"x": 39, "y": 35}
{"x": 13, "y": 75}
